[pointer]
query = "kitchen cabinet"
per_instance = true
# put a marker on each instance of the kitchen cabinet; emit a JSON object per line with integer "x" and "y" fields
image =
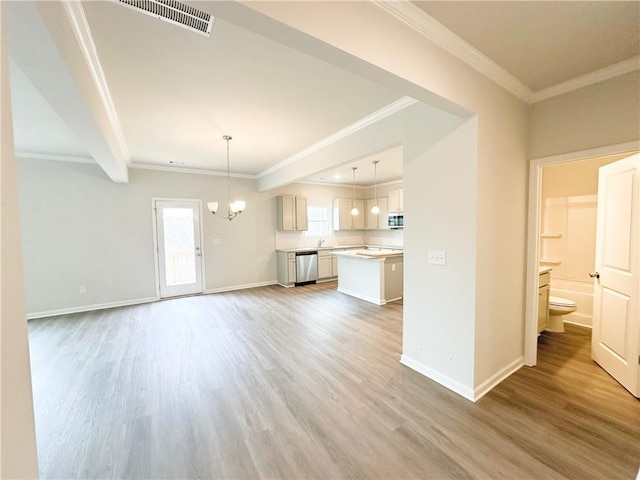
{"x": 377, "y": 221}
{"x": 325, "y": 264}
{"x": 342, "y": 218}
{"x": 396, "y": 200}
{"x": 292, "y": 213}
{"x": 286, "y": 269}
{"x": 543, "y": 300}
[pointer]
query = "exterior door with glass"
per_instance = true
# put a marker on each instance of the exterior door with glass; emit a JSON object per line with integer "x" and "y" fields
{"x": 179, "y": 249}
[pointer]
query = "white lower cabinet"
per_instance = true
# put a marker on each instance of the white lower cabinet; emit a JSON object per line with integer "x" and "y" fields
{"x": 286, "y": 268}
{"x": 543, "y": 301}
{"x": 325, "y": 262}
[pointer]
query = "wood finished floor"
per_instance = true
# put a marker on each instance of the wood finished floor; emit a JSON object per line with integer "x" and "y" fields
{"x": 306, "y": 383}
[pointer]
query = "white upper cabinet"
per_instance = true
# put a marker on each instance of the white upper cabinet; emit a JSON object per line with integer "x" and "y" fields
{"x": 377, "y": 221}
{"x": 395, "y": 201}
{"x": 342, "y": 218}
{"x": 292, "y": 213}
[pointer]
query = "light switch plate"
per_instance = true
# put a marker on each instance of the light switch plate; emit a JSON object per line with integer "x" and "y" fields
{"x": 217, "y": 241}
{"x": 437, "y": 257}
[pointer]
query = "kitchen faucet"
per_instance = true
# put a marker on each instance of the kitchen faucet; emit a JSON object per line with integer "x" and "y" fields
{"x": 320, "y": 242}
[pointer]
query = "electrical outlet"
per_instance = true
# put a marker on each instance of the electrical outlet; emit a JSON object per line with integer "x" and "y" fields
{"x": 82, "y": 289}
{"x": 437, "y": 257}
{"x": 217, "y": 241}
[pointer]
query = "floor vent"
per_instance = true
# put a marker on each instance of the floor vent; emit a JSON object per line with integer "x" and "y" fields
{"x": 174, "y": 12}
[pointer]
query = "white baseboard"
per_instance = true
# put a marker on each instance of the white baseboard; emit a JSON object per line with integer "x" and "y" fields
{"x": 486, "y": 386}
{"x": 241, "y": 287}
{"x": 377, "y": 301}
{"x": 443, "y": 380}
{"x": 470, "y": 394}
{"x": 90, "y": 308}
{"x": 137, "y": 301}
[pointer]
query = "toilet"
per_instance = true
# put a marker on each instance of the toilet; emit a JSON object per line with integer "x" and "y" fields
{"x": 558, "y": 307}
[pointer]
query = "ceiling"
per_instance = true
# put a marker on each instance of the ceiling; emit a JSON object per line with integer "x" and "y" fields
{"x": 175, "y": 93}
{"x": 543, "y": 43}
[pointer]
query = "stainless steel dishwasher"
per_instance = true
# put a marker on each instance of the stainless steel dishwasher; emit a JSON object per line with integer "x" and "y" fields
{"x": 306, "y": 267}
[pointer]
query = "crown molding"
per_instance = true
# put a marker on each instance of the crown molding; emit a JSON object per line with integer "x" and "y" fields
{"x": 596, "y": 76}
{"x": 376, "y": 116}
{"x": 82, "y": 32}
{"x": 430, "y": 28}
{"x": 349, "y": 185}
{"x": 193, "y": 171}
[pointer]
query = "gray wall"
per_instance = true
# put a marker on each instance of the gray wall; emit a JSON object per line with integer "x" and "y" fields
{"x": 606, "y": 113}
{"x": 80, "y": 228}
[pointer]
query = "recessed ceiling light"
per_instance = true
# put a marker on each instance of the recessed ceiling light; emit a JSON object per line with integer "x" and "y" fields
{"x": 337, "y": 176}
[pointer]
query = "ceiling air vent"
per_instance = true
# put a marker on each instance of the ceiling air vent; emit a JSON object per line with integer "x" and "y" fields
{"x": 174, "y": 12}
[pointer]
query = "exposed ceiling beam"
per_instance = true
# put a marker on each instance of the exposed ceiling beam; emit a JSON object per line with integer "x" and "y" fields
{"x": 52, "y": 45}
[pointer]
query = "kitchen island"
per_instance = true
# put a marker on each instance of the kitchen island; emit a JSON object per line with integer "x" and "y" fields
{"x": 371, "y": 275}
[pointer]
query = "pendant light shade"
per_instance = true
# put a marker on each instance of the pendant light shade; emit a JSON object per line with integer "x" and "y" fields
{"x": 375, "y": 209}
{"x": 234, "y": 208}
{"x": 354, "y": 210}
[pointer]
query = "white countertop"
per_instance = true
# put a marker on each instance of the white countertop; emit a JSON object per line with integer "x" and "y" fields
{"x": 338, "y": 247}
{"x": 369, "y": 254}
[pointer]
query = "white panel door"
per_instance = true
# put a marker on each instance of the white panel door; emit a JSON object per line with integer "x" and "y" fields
{"x": 616, "y": 306}
{"x": 179, "y": 249}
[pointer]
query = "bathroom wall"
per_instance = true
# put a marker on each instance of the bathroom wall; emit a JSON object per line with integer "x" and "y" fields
{"x": 568, "y": 231}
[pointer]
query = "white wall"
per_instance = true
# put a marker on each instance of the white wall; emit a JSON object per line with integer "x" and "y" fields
{"x": 605, "y": 113}
{"x": 17, "y": 431}
{"x": 400, "y": 56}
{"x": 80, "y": 228}
{"x": 439, "y": 301}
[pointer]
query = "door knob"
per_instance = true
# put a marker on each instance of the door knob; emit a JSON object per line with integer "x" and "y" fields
{"x": 594, "y": 275}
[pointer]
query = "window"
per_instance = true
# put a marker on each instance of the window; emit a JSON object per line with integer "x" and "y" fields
{"x": 318, "y": 218}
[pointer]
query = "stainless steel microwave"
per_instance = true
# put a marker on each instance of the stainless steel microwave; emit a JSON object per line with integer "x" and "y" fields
{"x": 395, "y": 220}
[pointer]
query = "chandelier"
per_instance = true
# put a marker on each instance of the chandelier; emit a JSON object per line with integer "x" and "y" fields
{"x": 234, "y": 208}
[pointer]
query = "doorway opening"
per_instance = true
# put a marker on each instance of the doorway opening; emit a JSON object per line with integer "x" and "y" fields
{"x": 178, "y": 247}
{"x": 558, "y": 216}
{"x": 535, "y": 228}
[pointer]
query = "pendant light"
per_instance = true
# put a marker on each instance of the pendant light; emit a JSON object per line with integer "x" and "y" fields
{"x": 354, "y": 210}
{"x": 236, "y": 207}
{"x": 375, "y": 209}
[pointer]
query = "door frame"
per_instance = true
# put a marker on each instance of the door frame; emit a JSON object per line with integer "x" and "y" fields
{"x": 155, "y": 239}
{"x": 533, "y": 234}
